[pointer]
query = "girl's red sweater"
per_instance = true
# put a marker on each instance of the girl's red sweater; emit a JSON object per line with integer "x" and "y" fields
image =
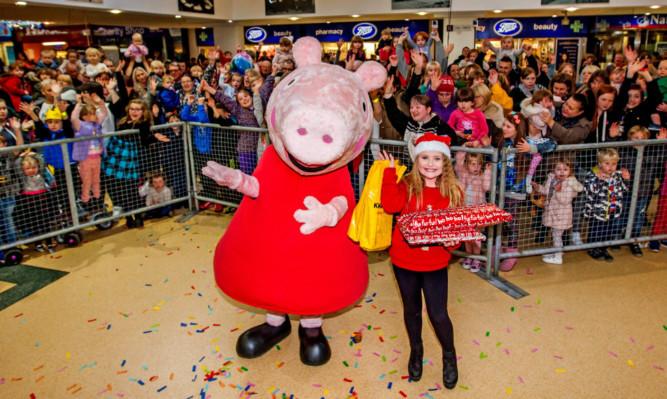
{"x": 394, "y": 199}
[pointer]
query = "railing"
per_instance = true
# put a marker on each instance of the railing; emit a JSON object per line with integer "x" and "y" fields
{"x": 180, "y": 161}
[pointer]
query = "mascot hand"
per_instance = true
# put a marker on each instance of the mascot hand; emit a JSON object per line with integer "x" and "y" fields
{"x": 222, "y": 175}
{"x": 320, "y": 215}
{"x": 232, "y": 178}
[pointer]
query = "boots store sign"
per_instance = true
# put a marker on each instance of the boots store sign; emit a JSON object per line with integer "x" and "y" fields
{"x": 493, "y": 28}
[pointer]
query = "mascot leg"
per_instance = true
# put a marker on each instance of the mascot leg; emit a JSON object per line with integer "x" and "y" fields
{"x": 314, "y": 349}
{"x": 260, "y": 339}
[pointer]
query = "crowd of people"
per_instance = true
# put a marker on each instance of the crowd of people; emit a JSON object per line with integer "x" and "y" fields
{"x": 482, "y": 98}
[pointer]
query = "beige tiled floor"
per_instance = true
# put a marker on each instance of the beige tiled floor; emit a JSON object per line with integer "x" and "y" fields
{"x": 139, "y": 316}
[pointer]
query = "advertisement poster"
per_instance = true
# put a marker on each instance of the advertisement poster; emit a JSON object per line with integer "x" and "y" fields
{"x": 408, "y": 4}
{"x": 277, "y": 7}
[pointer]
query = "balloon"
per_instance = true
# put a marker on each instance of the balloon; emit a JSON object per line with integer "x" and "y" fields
{"x": 240, "y": 63}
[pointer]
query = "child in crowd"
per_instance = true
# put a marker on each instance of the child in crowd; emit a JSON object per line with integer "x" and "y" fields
{"x": 531, "y": 107}
{"x": 46, "y": 60}
{"x": 56, "y": 127}
{"x": 71, "y": 58}
{"x": 173, "y": 157}
{"x": 605, "y": 189}
{"x": 476, "y": 182}
{"x": 95, "y": 66}
{"x": 385, "y": 43}
{"x": 35, "y": 210}
{"x": 9, "y": 186}
{"x": 433, "y": 71}
{"x": 136, "y": 49}
{"x": 617, "y": 77}
{"x": 560, "y": 189}
{"x": 468, "y": 122}
{"x": 196, "y": 73}
{"x": 50, "y": 90}
{"x": 86, "y": 123}
{"x": 651, "y": 166}
{"x": 157, "y": 194}
{"x": 506, "y": 49}
{"x": 431, "y": 184}
{"x": 167, "y": 98}
{"x": 660, "y": 222}
{"x": 421, "y": 43}
{"x": 662, "y": 80}
{"x": 283, "y": 52}
{"x": 356, "y": 51}
{"x": 12, "y": 83}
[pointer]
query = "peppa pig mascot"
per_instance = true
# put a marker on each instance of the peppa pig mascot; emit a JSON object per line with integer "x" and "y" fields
{"x": 286, "y": 250}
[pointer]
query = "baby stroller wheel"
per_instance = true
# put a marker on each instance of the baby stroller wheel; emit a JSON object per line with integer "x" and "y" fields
{"x": 13, "y": 256}
{"x": 104, "y": 225}
{"x": 72, "y": 239}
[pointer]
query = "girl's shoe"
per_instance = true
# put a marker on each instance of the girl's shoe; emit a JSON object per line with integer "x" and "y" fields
{"x": 450, "y": 373}
{"x": 663, "y": 243}
{"x": 466, "y": 263}
{"x": 509, "y": 263}
{"x": 416, "y": 362}
{"x": 40, "y": 247}
{"x": 475, "y": 266}
{"x": 554, "y": 259}
{"x": 576, "y": 239}
{"x": 51, "y": 248}
{"x": 654, "y": 246}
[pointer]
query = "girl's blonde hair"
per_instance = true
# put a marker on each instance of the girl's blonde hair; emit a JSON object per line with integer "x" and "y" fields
{"x": 87, "y": 109}
{"x": 434, "y": 64}
{"x": 564, "y": 161}
{"x": 447, "y": 183}
{"x": 65, "y": 78}
{"x": 608, "y": 154}
{"x": 29, "y": 160}
{"x": 481, "y": 90}
{"x": 471, "y": 156}
{"x": 92, "y": 50}
{"x": 639, "y": 128}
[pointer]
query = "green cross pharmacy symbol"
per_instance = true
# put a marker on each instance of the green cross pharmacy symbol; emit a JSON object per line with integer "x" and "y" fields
{"x": 203, "y": 36}
{"x": 576, "y": 26}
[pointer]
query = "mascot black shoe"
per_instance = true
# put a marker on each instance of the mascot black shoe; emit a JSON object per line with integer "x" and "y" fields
{"x": 260, "y": 339}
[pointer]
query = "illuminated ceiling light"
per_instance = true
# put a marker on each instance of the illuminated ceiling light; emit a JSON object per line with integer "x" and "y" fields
{"x": 230, "y": 21}
{"x": 328, "y": 22}
{"x": 422, "y": 13}
{"x": 177, "y": 16}
{"x": 407, "y": 19}
{"x": 554, "y": 16}
{"x": 572, "y": 9}
{"x": 203, "y": 27}
{"x": 647, "y": 13}
{"x": 497, "y": 11}
{"x": 355, "y": 16}
{"x": 21, "y": 3}
{"x": 294, "y": 18}
{"x": 655, "y": 7}
{"x": 54, "y": 43}
{"x": 115, "y": 11}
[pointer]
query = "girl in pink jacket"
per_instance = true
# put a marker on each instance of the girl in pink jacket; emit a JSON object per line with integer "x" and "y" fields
{"x": 476, "y": 182}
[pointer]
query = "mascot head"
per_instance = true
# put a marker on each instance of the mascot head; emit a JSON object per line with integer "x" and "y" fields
{"x": 320, "y": 116}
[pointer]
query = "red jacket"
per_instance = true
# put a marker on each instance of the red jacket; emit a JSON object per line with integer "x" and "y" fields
{"x": 394, "y": 199}
{"x": 13, "y": 85}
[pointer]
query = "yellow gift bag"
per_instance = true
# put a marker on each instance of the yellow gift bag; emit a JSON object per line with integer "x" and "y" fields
{"x": 370, "y": 225}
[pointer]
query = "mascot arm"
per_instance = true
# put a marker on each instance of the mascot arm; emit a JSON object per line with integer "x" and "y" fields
{"x": 320, "y": 215}
{"x": 232, "y": 178}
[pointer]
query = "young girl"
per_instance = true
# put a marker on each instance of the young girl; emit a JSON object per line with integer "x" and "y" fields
{"x": 476, "y": 182}
{"x": 356, "y": 50}
{"x": 95, "y": 66}
{"x": 506, "y": 49}
{"x": 422, "y": 43}
{"x": 532, "y": 107}
{"x": 431, "y": 184}
{"x": 36, "y": 213}
{"x": 283, "y": 52}
{"x": 468, "y": 123}
{"x": 136, "y": 49}
{"x": 560, "y": 188}
{"x": 660, "y": 221}
{"x": 86, "y": 123}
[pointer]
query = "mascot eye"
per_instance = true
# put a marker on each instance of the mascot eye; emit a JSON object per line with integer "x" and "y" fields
{"x": 291, "y": 82}
{"x": 363, "y": 106}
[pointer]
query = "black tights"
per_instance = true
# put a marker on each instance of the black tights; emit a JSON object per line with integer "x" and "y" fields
{"x": 434, "y": 285}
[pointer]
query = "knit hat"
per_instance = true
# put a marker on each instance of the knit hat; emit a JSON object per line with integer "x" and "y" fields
{"x": 446, "y": 85}
{"x": 432, "y": 142}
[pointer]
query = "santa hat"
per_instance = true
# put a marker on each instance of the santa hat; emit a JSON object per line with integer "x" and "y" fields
{"x": 432, "y": 142}
{"x": 446, "y": 85}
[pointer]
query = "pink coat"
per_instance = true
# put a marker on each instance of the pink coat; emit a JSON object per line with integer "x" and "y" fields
{"x": 480, "y": 183}
{"x": 558, "y": 208}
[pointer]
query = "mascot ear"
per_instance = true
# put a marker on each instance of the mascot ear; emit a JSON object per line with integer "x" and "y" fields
{"x": 307, "y": 51}
{"x": 372, "y": 74}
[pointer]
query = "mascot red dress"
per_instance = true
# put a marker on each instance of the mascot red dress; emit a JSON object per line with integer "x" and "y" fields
{"x": 286, "y": 249}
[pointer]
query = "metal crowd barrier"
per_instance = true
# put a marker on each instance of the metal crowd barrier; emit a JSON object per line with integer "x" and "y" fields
{"x": 192, "y": 145}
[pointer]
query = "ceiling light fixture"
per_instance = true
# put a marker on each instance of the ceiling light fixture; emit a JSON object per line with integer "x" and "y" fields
{"x": 294, "y": 18}
{"x": 655, "y": 7}
{"x": 177, "y": 16}
{"x": 497, "y": 11}
{"x": 115, "y": 11}
{"x": 355, "y": 16}
{"x": 422, "y": 13}
{"x": 572, "y": 9}
{"x": 21, "y": 3}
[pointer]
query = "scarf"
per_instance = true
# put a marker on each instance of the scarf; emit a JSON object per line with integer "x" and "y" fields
{"x": 566, "y": 122}
{"x": 527, "y": 92}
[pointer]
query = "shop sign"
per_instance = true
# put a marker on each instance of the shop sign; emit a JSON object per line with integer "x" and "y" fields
{"x": 5, "y": 30}
{"x": 508, "y": 27}
{"x": 255, "y": 34}
{"x": 204, "y": 37}
{"x": 620, "y": 22}
{"x": 125, "y": 32}
{"x": 366, "y": 30}
{"x": 493, "y": 28}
